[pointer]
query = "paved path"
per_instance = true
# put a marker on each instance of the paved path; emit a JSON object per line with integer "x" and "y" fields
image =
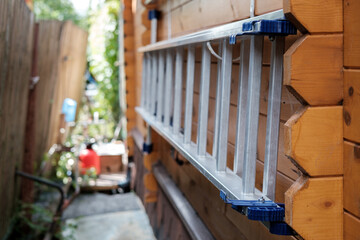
{"x": 108, "y": 217}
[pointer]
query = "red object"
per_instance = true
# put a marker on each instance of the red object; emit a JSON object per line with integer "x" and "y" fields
{"x": 89, "y": 159}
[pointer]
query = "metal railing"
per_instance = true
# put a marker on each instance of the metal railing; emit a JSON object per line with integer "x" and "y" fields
{"x": 162, "y": 99}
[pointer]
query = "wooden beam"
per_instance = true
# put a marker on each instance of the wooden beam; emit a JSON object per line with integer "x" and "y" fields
{"x": 351, "y": 105}
{"x": 352, "y": 178}
{"x": 195, "y": 227}
{"x": 351, "y": 33}
{"x": 313, "y": 139}
{"x": 313, "y": 69}
{"x": 351, "y": 227}
{"x": 320, "y": 16}
{"x": 314, "y": 207}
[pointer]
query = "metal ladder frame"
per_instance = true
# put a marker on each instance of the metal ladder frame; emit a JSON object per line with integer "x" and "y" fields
{"x": 161, "y": 105}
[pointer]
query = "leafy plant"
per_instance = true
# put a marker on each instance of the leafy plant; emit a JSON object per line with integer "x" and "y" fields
{"x": 32, "y": 221}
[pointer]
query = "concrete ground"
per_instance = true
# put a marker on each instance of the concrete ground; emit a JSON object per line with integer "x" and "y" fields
{"x": 107, "y": 217}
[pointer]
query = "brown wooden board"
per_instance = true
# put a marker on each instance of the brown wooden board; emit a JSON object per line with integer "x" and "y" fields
{"x": 61, "y": 66}
{"x": 314, "y": 139}
{"x": 314, "y": 207}
{"x": 320, "y": 16}
{"x": 351, "y": 227}
{"x": 351, "y": 33}
{"x": 313, "y": 69}
{"x": 352, "y": 178}
{"x": 351, "y": 105}
{"x": 16, "y": 30}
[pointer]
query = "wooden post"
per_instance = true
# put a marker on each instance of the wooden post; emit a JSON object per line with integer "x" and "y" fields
{"x": 27, "y": 186}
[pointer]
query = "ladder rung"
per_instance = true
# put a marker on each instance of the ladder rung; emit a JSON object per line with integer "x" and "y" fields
{"x": 160, "y": 91}
{"x": 204, "y": 100}
{"x": 241, "y": 109}
{"x": 252, "y": 113}
{"x": 154, "y": 78}
{"x": 168, "y": 86}
{"x": 190, "y": 67}
{"x": 226, "y": 69}
{"x": 273, "y": 118}
{"x": 178, "y": 90}
{"x": 217, "y": 107}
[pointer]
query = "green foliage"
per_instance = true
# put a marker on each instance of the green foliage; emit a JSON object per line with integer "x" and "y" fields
{"x": 65, "y": 166}
{"x": 61, "y": 10}
{"x": 32, "y": 221}
{"x": 103, "y": 60}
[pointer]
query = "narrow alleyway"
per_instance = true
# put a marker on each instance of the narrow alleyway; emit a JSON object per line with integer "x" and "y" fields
{"x": 102, "y": 216}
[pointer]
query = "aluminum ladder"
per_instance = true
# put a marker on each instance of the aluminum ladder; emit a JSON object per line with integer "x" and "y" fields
{"x": 161, "y": 106}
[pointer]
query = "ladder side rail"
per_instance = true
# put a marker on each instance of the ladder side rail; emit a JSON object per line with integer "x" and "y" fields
{"x": 252, "y": 111}
{"x": 273, "y": 117}
{"x": 178, "y": 90}
{"x": 160, "y": 90}
{"x": 190, "y": 71}
{"x": 168, "y": 86}
{"x": 204, "y": 100}
{"x": 217, "y": 107}
{"x": 241, "y": 106}
{"x": 226, "y": 69}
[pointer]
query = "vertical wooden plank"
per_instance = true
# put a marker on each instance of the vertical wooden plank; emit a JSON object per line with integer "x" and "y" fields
{"x": 351, "y": 227}
{"x": 352, "y": 178}
{"x": 351, "y": 33}
{"x": 351, "y": 105}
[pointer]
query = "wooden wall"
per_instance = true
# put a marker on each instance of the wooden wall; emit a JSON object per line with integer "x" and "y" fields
{"x": 61, "y": 67}
{"x": 351, "y": 120}
{"x": 311, "y": 132}
{"x": 16, "y": 31}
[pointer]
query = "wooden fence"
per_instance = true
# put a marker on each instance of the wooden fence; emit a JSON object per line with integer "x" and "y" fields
{"x": 60, "y": 65}
{"x": 16, "y": 31}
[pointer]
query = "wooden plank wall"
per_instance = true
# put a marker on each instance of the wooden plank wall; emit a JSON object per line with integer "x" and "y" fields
{"x": 311, "y": 151}
{"x": 61, "y": 67}
{"x": 313, "y": 68}
{"x": 16, "y": 30}
{"x": 222, "y": 221}
{"x": 165, "y": 222}
{"x": 351, "y": 120}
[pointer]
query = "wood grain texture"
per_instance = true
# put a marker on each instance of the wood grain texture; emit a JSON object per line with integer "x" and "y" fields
{"x": 265, "y": 6}
{"x": 320, "y": 16}
{"x": 61, "y": 67}
{"x": 352, "y": 178}
{"x": 314, "y": 207}
{"x": 352, "y": 105}
{"x": 314, "y": 139}
{"x": 351, "y": 227}
{"x": 351, "y": 33}
{"x": 313, "y": 69}
{"x": 16, "y": 31}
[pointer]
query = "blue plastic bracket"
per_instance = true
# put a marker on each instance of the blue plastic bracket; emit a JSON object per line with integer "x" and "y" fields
{"x": 147, "y": 148}
{"x": 266, "y": 211}
{"x": 280, "y": 27}
{"x": 153, "y": 14}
